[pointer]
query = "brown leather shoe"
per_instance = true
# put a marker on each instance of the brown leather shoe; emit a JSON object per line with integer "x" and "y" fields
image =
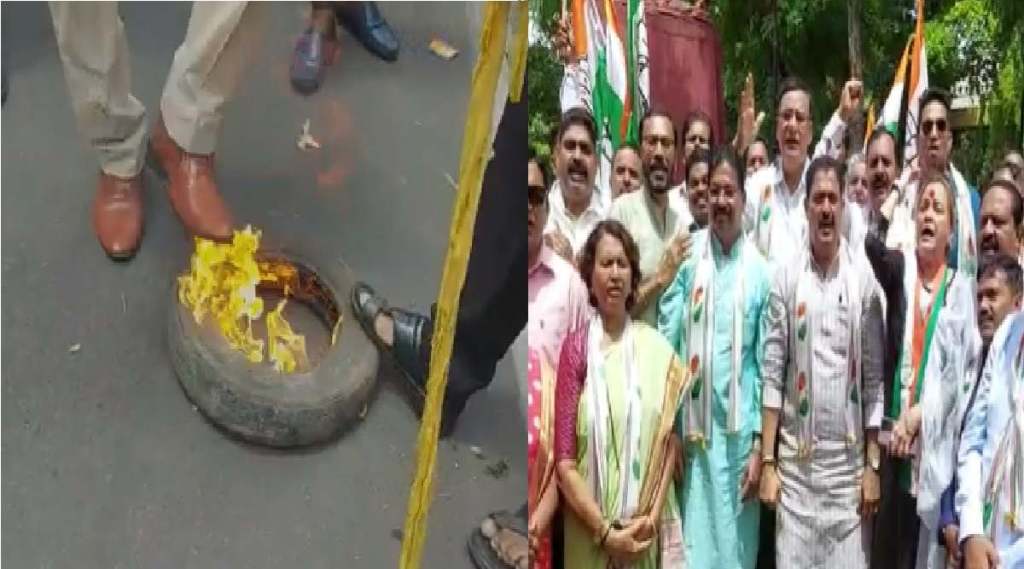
{"x": 191, "y": 186}
{"x": 117, "y": 215}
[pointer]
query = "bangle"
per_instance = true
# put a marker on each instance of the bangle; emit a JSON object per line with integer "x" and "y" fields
{"x": 607, "y": 530}
{"x": 767, "y": 460}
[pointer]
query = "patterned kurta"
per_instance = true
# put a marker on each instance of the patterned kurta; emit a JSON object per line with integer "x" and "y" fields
{"x": 949, "y": 379}
{"x": 818, "y": 523}
{"x": 720, "y": 529}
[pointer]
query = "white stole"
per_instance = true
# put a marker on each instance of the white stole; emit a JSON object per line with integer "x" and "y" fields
{"x": 1004, "y": 490}
{"x": 967, "y": 252}
{"x": 600, "y": 429}
{"x": 700, "y": 339}
{"x": 802, "y": 338}
{"x": 763, "y": 221}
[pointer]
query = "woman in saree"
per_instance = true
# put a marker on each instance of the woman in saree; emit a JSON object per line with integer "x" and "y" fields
{"x": 542, "y": 489}
{"x": 618, "y": 391}
{"x": 931, "y": 360}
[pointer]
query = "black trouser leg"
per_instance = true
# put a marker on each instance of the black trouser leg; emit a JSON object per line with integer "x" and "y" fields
{"x": 492, "y": 308}
{"x": 766, "y": 545}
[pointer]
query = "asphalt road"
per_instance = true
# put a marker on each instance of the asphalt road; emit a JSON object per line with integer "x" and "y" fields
{"x": 105, "y": 463}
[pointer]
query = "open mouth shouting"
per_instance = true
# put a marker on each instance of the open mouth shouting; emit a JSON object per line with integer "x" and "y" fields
{"x": 927, "y": 233}
{"x": 577, "y": 173}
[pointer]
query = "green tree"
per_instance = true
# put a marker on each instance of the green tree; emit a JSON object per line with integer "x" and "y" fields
{"x": 975, "y": 41}
{"x": 544, "y": 77}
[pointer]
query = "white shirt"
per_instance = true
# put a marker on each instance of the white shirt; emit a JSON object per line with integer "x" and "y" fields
{"x": 987, "y": 421}
{"x": 787, "y": 231}
{"x": 575, "y": 230}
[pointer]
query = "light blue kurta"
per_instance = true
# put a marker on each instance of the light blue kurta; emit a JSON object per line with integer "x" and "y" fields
{"x": 721, "y": 530}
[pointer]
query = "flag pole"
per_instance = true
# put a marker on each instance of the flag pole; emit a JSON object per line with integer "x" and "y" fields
{"x": 901, "y": 131}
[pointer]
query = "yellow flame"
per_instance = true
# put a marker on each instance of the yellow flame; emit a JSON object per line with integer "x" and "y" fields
{"x": 283, "y": 343}
{"x": 222, "y": 283}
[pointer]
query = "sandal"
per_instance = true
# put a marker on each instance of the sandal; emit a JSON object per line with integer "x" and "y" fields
{"x": 490, "y": 548}
{"x": 411, "y": 335}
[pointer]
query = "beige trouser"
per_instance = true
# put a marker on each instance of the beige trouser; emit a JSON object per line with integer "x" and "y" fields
{"x": 205, "y": 73}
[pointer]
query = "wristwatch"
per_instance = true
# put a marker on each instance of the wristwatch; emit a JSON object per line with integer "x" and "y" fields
{"x": 767, "y": 459}
{"x": 874, "y": 460}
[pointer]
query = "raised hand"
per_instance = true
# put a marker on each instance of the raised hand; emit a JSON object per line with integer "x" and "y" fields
{"x": 561, "y": 40}
{"x": 749, "y": 120}
{"x": 851, "y": 99}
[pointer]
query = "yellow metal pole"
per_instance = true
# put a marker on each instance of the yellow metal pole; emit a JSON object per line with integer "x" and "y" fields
{"x": 476, "y": 151}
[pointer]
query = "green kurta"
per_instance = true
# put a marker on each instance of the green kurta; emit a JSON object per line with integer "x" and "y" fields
{"x": 654, "y": 357}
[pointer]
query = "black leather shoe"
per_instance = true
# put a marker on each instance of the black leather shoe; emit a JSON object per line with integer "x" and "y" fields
{"x": 363, "y": 20}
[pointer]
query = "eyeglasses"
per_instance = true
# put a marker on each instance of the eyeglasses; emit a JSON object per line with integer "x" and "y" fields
{"x": 939, "y": 125}
{"x": 536, "y": 195}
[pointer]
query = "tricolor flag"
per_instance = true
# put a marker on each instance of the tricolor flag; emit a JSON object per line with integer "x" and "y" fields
{"x": 610, "y": 78}
{"x": 899, "y": 114}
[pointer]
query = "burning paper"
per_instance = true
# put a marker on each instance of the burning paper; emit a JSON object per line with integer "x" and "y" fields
{"x": 283, "y": 344}
{"x": 222, "y": 283}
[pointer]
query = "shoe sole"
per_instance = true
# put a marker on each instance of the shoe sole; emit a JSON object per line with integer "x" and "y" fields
{"x": 121, "y": 257}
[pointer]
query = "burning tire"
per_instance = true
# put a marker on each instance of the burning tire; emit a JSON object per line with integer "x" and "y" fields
{"x": 260, "y": 405}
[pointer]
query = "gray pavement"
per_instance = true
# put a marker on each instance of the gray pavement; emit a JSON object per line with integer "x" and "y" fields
{"x": 105, "y": 463}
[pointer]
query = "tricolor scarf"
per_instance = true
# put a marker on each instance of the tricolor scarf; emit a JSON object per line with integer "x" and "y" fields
{"x": 700, "y": 333}
{"x": 802, "y": 338}
{"x": 1004, "y": 490}
{"x": 601, "y": 434}
{"x": 763, "y": 222}
{"x": 638, "y": 486}
{"x": 909, "y": 379}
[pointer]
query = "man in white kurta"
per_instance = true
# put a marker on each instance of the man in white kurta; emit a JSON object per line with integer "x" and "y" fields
{"x": 822, "y": 377}
{"x": 774, "y": 215}
{"x": 990, "y": 499}
{"x": 647, "y": 216}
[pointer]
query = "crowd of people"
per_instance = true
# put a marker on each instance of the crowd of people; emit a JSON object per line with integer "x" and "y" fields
{"x": 813, "y": 355}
